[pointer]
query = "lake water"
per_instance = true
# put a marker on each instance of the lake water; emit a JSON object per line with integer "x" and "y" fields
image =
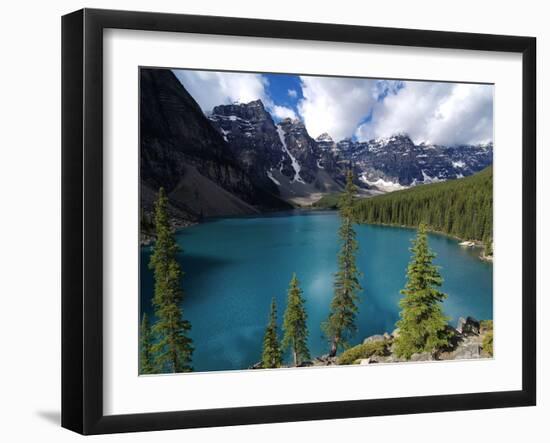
{"x": 234, "y": 266}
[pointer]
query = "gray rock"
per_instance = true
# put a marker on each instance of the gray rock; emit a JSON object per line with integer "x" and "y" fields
{"x": 374, "y": 338}
{"x": 423, "y": 356}
{"x": 325, "y": 360}
{"x": 467, "y": 350}
{"x": 368, "y": 361}
{"x": 399, "y": 159}
{"x": 392, "y": 358}
{"x": 305, "y": 364}
{"x": 467, "y": 326}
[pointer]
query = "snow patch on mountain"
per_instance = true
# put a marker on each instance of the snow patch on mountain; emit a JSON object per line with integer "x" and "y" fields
{"x": 383, "y": 185}
{"x": 324, "y": 137}
{"x": 224, "y": 134}
{"x": 428, "y": 179}
{"x": 295, "y": 165}
{"x": 459, "y": 164}
{"x": 273, "y": 179}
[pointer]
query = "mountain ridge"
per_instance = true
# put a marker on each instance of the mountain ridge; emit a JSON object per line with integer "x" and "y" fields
{"x": 239, "y": 160}
{"x": 385, "y": 163}
{"x": 183, "y": 153}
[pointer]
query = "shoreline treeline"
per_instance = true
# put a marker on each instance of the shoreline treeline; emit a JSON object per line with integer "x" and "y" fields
{"x": 462, "y": 208}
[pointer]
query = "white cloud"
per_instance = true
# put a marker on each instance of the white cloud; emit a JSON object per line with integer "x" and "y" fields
{"x": 444, "y": 113}
{"x": 210, "y": 89}
{"x": 282, "y": 112}
{"x": 335, "y": 105}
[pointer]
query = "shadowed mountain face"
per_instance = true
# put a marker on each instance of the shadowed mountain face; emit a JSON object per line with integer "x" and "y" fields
{"x": 281, "y": 154}
{"x": 252, "y": 137}
{"x": 182, "y": 152}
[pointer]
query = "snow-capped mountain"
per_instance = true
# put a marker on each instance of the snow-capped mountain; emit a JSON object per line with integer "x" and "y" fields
{"x": 283, "y": 154}
{"x": 238, "y": 159}
{"x": 397, "y": 160}
{"x": 326, "y": 143}
{"x": 286, "y": 154}
{"x": 252, "y": 136}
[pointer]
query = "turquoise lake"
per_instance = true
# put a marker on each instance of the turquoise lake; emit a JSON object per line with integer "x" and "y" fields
{"x": 234, "y": 266}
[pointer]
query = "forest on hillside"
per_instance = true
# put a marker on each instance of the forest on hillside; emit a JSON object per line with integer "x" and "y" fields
{"x": 462, "y": 207}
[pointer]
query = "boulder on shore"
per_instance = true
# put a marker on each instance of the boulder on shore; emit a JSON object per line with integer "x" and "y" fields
{"x": 467, "y": 341}
{"x": 468, "y": 325}
{"x": 422, "y": 356}
{"x": 374, "y": 338}
{"x": 467, "y": 350}
{"x": 325, "y": 360}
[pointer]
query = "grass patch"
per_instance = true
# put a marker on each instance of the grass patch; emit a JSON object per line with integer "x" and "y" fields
{"x": 365, "y": 350}
{"x": 486, "y": 328}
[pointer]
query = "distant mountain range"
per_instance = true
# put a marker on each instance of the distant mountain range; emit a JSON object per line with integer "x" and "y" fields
{"x": 238, "y": 160}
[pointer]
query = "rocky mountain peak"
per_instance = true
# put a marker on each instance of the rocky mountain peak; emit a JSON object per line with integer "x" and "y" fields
{"x": 252, "y": 111}
{"x": 346, "y": 145}
{"x": 400, "y": 138}
{"x": 292, "y": 123}
{"x": 387, "y": 163}
{"x": 324, "y": 137}
{"x": 239, "y": 149}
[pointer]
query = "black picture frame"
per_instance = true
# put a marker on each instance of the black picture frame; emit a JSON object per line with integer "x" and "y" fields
{"x": 82, "y": 218}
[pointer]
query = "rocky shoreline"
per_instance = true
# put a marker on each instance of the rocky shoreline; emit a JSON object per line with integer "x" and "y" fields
{"x": 471, "y": 339}
{"x": 477, "y": 244}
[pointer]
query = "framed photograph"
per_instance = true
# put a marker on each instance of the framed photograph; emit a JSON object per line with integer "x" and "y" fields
{"x": 270, "y": 221}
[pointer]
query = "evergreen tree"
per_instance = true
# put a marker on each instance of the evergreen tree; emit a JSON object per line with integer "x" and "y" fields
{"x": 173, "y": 349}
{"x": 271, "y": 355}
{"x": 423, "y": 326}
{"x": 340, "y": 325}
{"x": 294, "y": 324}
{"x": 146, "y": 361}
{"x": 463, "y": 207}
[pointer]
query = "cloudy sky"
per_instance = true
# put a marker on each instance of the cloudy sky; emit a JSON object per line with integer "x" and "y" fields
{"x": 430, "y": 112}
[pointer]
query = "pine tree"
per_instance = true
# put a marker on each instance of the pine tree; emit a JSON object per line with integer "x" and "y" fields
{"x": 271, "y": 355}
{"x": 462, "y": 208}
{"x": 146, "y": 361}
{"x": 423, "y": 326}
{"x": 340, "y": 325}
{"x": 294, "y": 324}
{"x": 173, "y": 349}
